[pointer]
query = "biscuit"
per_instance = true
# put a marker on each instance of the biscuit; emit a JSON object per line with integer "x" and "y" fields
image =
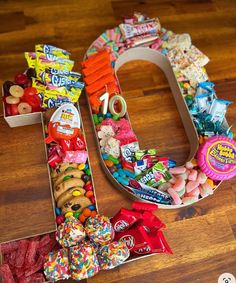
{"x": 75, "y": 204}
{"x": 64, "y": 197}
{"x": 74, "y": 173}
{"x": 65, "y": 185}
{"x": 61, "y": 168}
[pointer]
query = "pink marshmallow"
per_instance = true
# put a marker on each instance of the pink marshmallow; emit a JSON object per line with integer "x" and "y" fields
{"x": 177, "y": 170}
{"x": 194, "y": 193}
{"x": 191, "y": 185}
{"x": 184, "y": 176}
{"x": 205, "y": 190}
{"x": 201, "y": 178}
{"x": 176, "y": 199}
{"x": 164, "y": 187}
{"x": 172, "y": 180}
{"x": 189, "y": 165}
{"x": 179, "y": 184}
{"x": 189, "y": 200}
{"x": 193, "y": 175}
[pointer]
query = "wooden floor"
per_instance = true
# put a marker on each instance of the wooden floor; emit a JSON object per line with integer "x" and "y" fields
{"x": 202, "y": 236}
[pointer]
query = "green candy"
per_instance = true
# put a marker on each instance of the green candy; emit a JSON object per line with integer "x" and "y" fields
{"x": 115, "y": 117}
{"x": 113, "y": 159}
{"x": 100, "y": 119}
{"x": 66, "y": 178}
{"x": 69, "y": 168}
{"x": 88, "y": 172}
{"x": 76, "y": 214}
{"x": 181, "y": 84}
{"x": 95, "y": 119}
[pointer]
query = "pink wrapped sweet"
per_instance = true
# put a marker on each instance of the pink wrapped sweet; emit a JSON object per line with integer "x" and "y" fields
{"x": 77, "y": 156}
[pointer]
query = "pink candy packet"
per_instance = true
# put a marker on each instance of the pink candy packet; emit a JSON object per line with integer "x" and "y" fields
{"x": 77, "y": 156}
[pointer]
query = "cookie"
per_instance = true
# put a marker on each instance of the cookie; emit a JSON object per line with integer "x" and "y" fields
{"x": 74, "y": 173}
{"x": 62, "y": 167}
{"x": 75, "y": 204}
{"x": 76, "y": 191}
{"x": 65, "y": 185}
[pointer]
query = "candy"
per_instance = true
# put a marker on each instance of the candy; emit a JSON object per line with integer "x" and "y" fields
{"x": 12, "y": 100}
{"x": 21, "y": 252}
{"x": 8, "y": 247}
{"x": 179, "y": 184}
{"x": 6, "y": 274}
{"x": 56, "y": 265}
{"x": 176, "y": 199}
{"x": 35, "y": 267}
{"x": 76, "y": 156}
{"x": 24, "y": 108}
{"x": 99, "y": 229}
{"x": 16, "y": 91}
{"x": 83, "y": 262}
{"x": 112, "y": 255}
{"x": 124, "y": 219}
{"x": 21, "y": 79}
{"x": 177, "y": 170}
{"x": 70, "y": 232}
{"x": 31, "y": 253}
{"x": 140, "y": 206}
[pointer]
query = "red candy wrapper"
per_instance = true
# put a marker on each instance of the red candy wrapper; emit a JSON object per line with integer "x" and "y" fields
{"x": 66, "y": 145}
{"x": 79, "y": 143}
{"x": 150, "y": 222}
{"x": 124, "y": 219}
{"x": 140, "y": 242}
{"x": 142, "y": 206}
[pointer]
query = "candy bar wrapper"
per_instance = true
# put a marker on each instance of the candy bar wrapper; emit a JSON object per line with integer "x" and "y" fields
{"x": 46, "y": 48}
{"x": 56, "y": 265}
{"x": 73, "y": 93}
{"x": 77, "y": 156}
{"x": 51, "y": 99}
{"x": 157, "y": 244}
{"x": 150, "y": 222}
{"x": 83, "y": 262}
{"x": 124, "y": 219}
{"x": 62, "y": 80}
{"x": 31, "y": 59}
{"x": 182, "y": 41}
{"x": 151, "y": 26}
{"x": 128, "y": 150}
{"x": 148, "y": 194}
{"x": 145, "y": 39}
{"x": 144, "y": 154}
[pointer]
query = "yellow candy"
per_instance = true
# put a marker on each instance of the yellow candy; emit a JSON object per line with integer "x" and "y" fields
{"x": 201, "y": 139}
{"x": 186, "y": 85}
{"x": 81, "y": 166}
{"x": 68, "y": 214}
{"x": 210, "y": 183}
{"x": 164, "y": 44}
{"x": 76, "y": 193}
{"x": 52, "y": 50}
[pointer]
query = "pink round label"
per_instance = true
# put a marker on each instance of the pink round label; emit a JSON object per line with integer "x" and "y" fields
{"x": 217, "y": 158}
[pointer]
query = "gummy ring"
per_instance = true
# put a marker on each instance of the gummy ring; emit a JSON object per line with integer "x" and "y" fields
{"x": 12, "y": 100}
{"x": 112, "y": 102}
{"x": 16, "y": 91}
{"x": 24, "y": 108}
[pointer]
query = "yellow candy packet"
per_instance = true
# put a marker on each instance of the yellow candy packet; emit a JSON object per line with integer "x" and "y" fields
{"x": 31, "y": 59}
{"x": 73, "y": 94}
{"x": 46, "y": 48}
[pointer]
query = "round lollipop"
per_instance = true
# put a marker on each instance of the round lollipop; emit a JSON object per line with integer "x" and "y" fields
{"x": 112, "y": 255}
{"x": 70, "y": 233}
{"x": 99, "y": 229}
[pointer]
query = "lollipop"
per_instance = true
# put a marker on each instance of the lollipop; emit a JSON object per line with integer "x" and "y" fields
{"x": 56, "y": 265}
{"x": 112, "y": 255}
{"x": 99, "y": 229}
{"x": 83, "y": 262}
{"x": 70, "y": 233}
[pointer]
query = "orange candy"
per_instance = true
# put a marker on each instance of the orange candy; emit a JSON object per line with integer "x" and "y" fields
{"x": 82, "y": 218}
{"x": 86, "y": 212}
{"x": 93, "y": 213}
{"x": 89, "y": 194}
{"x": 108, "y": 163}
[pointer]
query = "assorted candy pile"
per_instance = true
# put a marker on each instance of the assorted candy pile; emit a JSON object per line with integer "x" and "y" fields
{"x": 23, "y": 260}
{"x": 85, "y": 250}
{"x": 48, "y": 82}
{"x": 142, "y": 172}
{"x": 68, "y": 158}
